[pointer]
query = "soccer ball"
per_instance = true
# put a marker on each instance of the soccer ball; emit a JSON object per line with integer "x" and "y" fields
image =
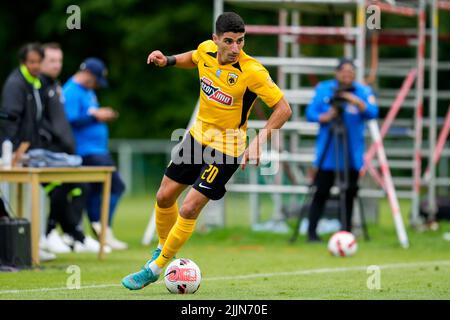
{"x": 182, "y": 276}
{"x": 342, "y": 244}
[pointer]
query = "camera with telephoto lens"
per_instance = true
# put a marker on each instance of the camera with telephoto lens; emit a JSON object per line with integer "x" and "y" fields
{"x": 339, "y": 102}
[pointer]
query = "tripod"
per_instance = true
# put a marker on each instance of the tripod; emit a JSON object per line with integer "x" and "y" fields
{"x": 338, "y": 134}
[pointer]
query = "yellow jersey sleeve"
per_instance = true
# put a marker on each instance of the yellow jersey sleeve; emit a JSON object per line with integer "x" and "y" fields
{"x": 195, "y": 56}
{"x": 262, "y": 84}
{"x": 202, "y": 48}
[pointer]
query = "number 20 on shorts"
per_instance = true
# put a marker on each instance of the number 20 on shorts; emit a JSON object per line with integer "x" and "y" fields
{"x": 212, "y": 172}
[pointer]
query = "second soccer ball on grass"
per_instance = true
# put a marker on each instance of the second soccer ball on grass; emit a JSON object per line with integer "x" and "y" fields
{"x": 342, "y": 244}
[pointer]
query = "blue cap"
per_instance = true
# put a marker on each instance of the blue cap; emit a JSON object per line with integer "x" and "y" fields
{"x": 98, "y": 69}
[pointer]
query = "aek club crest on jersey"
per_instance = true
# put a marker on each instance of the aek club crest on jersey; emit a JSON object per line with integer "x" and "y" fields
{"x": 232, "y": 78}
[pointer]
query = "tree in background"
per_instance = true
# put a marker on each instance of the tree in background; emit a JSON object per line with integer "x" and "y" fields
{"x": 152, "y": 102}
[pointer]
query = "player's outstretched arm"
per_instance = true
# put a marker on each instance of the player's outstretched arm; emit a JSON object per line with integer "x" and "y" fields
{"x": 281, "y": 113}
{"x": 182, "y": 60}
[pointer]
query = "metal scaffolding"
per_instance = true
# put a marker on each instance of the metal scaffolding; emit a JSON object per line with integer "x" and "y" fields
{"x": 296, "y": 150}
{"x": 291, "y": 63}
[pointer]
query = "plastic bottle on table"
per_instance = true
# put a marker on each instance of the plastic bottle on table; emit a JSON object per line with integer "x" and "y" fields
{"x": 7, "y": 152}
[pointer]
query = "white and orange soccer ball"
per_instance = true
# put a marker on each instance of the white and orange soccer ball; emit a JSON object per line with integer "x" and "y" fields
{"x": 342, "y": 244}
{"x": 182, "y": 276}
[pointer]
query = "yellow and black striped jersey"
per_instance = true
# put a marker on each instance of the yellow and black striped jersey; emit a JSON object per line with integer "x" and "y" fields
{"x": 227, "y": 94}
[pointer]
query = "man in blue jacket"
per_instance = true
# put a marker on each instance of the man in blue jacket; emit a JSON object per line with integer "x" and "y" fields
{"x": 88, "y": 121}
{"x": 355, "y": 104}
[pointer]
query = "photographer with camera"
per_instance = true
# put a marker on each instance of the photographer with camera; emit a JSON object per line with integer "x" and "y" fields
{"x": 339, "y": 104}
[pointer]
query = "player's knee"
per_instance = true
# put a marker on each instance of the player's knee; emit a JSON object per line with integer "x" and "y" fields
{"x": 164, "y": 199}
{"x": 189, "y": 211}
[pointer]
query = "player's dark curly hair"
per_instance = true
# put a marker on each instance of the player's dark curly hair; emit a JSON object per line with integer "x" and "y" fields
{"x": 229, "y": 22}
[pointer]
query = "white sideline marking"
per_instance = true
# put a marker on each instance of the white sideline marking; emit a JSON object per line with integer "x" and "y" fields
{"x": 257, "y": 275}
{"x": 59, "y": 289}
{"x": 329, "y": 270}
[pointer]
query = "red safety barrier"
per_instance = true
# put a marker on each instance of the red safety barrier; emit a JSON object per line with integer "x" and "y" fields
{"x": 440, "y": 144}
{"x": 403, "y": 11}
{"x": 403, "y": 92}
{"x": 389, "y": 184}
{"x": 297, "y": 30}
{"x": 376, "y": 176}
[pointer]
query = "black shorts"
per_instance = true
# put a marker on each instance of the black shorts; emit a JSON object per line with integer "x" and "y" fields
{"x": 206, "y": 169}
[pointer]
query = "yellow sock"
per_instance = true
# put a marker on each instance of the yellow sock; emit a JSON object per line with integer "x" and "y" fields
{"x": 165, "y": 219}
{"x": 180, "y": 233}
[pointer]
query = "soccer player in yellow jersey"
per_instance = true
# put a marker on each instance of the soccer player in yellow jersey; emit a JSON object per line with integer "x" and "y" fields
{"x": 230, "y": 82}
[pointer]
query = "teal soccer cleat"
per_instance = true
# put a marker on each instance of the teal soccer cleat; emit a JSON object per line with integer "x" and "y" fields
{"x": 142, "y": 278}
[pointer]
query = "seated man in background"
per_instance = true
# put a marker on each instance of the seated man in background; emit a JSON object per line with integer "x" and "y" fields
{"x": 67, "y": 201}
{"x": 88, "y": 121}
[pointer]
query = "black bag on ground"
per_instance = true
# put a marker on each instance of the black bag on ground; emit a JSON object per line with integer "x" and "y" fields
{"x": 3, "y": 212}
{"x": 15, "y": 243}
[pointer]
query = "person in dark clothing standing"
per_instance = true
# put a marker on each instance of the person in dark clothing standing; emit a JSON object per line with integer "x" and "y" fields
{"x": 67, "y": 200}
{"x": 54, "y": 115}
{"x": 21, "y": 100}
